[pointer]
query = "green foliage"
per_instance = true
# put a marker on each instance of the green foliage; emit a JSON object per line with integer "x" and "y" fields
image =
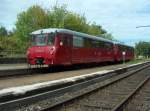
{"x": 57, "y": 16}
{"x": 143, "y": 49}
{"x": 95, "y": 29}
{"x": 8, "y": 40}
{"x": 3, "y": 31}
{"x": 75, "y": 22}
{"x": 32, "y": 19}
{"x": 108, "y": 36}
{"x": 8, "y": 43}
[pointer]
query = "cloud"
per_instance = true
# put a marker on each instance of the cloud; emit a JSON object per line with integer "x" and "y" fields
{"x": 9, "y": 9}
{"x": 119, "y": 17}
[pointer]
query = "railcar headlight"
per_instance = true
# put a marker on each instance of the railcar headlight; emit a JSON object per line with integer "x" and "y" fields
{"x": 53, "y": 48}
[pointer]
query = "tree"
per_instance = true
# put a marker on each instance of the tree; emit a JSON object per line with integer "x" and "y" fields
{"x": 57, "y": 16}
{"x": 32, "y": 19}
{"x": 108, "y": 36}
{"x": 95, "y": 29}
{"x": 75, "y": 22}
{"x": 143, "y": 49}
{"x": 3, "y": 31}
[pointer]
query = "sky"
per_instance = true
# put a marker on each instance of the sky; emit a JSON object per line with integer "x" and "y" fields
{"x": 118, "y": 17}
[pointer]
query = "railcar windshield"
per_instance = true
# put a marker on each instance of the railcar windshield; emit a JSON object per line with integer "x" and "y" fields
{"x": 43, "y": 39}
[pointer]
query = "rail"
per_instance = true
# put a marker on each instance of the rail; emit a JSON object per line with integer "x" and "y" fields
{"x": 120, "y": 107}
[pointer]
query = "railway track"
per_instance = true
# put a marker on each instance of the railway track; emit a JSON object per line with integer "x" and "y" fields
{"x": 113, "y": 97}
{"x": 104, "y": 92}
{"x": 140, "y": 99}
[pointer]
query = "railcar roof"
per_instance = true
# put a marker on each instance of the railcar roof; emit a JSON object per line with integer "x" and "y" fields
{"x": 121, "y": 44}
{"x": 49, "y": 30}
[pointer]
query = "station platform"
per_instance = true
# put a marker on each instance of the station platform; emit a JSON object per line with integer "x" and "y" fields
{"x": 20, "y": 66}
{"x": 17, "y": 66}
{"x": 13, "y": 66}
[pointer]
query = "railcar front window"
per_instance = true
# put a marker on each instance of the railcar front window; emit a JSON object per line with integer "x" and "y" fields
{"x": 43, "y": 39}
{"x": 38, "y": 40}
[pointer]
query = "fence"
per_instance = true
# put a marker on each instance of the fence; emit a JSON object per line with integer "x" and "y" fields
{"x": 12, "y": 53}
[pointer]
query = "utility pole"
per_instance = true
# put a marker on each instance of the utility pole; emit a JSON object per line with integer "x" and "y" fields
{"x": 143, "y": 26}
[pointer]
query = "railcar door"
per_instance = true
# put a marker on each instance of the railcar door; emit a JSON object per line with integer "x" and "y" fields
{"x": 65, "y": 49}
{"x": 110, "y": 53}
{"x": 78, "y": 50}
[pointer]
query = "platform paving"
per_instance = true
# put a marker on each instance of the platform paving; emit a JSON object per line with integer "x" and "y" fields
{"x": 13, "y": 66}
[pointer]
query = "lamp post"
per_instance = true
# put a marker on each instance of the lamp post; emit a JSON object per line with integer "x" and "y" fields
{"x": 124, "y": 56}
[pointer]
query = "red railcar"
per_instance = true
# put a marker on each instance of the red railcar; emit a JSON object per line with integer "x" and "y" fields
{"x": 123, "y": 52}
{"x": 65, "y": 47}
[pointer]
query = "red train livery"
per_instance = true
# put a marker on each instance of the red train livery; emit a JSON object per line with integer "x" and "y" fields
{"x": 65, "y": 47}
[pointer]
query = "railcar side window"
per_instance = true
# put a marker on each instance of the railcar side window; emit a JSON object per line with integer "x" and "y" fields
{"x": 78, "y": 41}
{"x": 87, "y": 43}
{"x": 130, "y": 49}
{"x": 108, "y": 46}
{"x": 124, "y": 48}
{"x": 95, "y": 44}
{"x": 33, "y": 40}
{"x": 101, "y": 44}
{"x": 121, "y": 48}
{"x": 65, "y": 40}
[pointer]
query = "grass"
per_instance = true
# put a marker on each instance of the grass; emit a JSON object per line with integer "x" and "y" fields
{"x": 137, "y": 61}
